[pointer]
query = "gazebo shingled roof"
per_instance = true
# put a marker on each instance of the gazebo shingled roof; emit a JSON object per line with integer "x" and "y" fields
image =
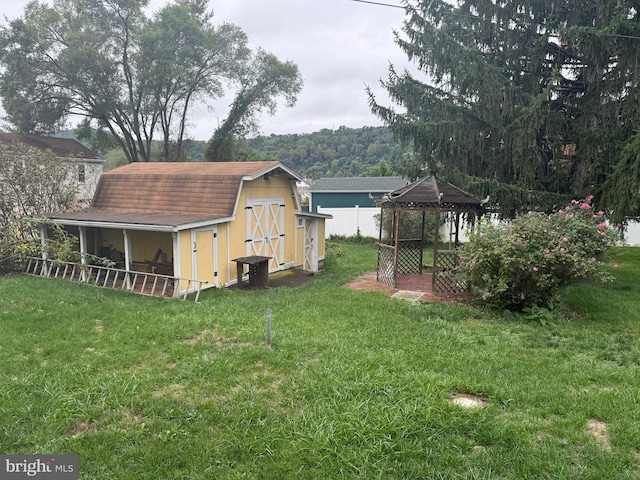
{"x": 431, "y": 192}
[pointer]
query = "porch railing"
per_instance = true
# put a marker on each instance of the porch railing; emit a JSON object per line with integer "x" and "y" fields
{"x": 142, "y": 283}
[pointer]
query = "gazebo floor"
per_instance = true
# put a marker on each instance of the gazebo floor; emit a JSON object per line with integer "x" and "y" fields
{"x": 416, "y": 283}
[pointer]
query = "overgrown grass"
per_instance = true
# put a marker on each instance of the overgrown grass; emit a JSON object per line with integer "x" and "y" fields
{"x": 355, "y": 386}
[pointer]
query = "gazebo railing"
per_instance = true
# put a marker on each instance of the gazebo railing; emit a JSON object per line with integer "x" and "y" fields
{"x": 386, "y": 271}
{"x": 142, "y": 283}
{"x": 409, "y": 256}
{"x": 445, "y": 278}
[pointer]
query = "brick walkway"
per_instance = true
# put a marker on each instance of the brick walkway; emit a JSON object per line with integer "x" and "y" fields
{"x": 409, "y": 287}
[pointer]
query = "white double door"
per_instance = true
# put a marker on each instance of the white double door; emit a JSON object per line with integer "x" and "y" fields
{"x": 265, "y": 230}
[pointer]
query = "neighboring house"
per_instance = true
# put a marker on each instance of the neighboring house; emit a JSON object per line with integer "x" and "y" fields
{"x": 192, "y": 219}
{"x": 348, "y": 200}
{"x": 89, "y": 166}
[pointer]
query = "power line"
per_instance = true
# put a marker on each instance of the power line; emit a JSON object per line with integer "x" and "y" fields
{"x": 379, "y": 3}
{"x": 615, "y": 35}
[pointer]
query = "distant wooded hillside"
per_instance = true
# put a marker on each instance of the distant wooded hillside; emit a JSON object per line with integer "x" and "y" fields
{"x": 345, "y": 152}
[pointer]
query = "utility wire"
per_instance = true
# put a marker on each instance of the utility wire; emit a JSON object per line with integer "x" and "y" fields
{"x": 615, "y": 35}
{"x": 379, "y": 3}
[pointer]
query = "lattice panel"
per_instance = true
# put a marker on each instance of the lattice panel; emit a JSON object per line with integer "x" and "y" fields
{"x": 444, "y": 280}
{"x": 385, "y": 274}
{"x": 409, "y": 257}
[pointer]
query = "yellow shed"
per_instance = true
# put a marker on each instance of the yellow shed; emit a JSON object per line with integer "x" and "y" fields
{"x": 192, "y": 220}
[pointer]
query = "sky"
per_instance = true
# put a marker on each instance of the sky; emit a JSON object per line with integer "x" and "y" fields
{"x": 340, "y": 46}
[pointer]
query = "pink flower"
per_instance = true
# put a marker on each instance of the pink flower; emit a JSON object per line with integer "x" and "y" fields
{"x": 565, "y": 239}
{"x": 602, "y": 225}
{"x": 535, "y": 269}
{"x": 547, "y": 251}
{"x": 585, "y": 206}
{"x": 615, "y": 266}
{"x": 567, "y": 207}
{"x": 619, "y": 225}
{"x": 574, "y": 202}
{"x": 589, "y": 198}
{"x": 562, "y": 250}
{"x": 560, "y": 211}
{"x": 593, "y": 259}
{"x": 600, "y": 212}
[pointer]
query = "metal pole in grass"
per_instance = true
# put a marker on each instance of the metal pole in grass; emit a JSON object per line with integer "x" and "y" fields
{"x": 268, "y": 328}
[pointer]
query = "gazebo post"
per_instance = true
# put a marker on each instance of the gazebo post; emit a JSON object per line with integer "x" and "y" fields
{"x": 396, "y": 216}
{"x": 424, "y": 212}
{"x": 435, "y": 249}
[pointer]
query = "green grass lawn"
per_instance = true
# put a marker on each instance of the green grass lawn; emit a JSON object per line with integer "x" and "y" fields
{"x": 355, "y": 386}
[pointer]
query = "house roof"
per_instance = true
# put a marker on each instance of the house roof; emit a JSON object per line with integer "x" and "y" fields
{"x": 169, "y": 194}
{"x": 430, "y": 192}
{"x": 62, "y": 147}
{"x": 357, "y": 184}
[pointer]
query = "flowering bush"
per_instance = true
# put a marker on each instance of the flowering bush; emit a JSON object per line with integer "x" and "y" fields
{"x": 525, "y": 262}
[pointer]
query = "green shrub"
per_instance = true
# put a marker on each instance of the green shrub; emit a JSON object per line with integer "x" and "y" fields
{"x": 525, "y": 262}
{"x": 410, "y": 225}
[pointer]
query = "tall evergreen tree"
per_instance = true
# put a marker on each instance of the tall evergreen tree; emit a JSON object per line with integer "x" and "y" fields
{"x": 531, "y": 102}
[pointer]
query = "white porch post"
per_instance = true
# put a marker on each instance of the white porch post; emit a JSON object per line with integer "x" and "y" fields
{"x": 43, "y": 244}
{"x": 83, "y": 245}
{"x": 127, "y": 249}
{"x": 83, "y": 250}
{"x": 176, "y": 263}
{"x": 127, "y": 255}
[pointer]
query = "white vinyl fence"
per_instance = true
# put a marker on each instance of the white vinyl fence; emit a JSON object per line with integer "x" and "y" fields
{"x": 347, "y": 221}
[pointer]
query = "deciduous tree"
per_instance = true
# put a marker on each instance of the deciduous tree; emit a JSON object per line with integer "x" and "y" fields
{"x": 263, "y": 80}
{"x": 33, "y": 182}
{"x": 129, "y": 75}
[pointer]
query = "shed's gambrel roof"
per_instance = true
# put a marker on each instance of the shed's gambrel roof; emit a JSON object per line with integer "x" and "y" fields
{"x": 61, "y": 147}
{"x": 357, "y": 184}
{"x": 170, "y": 193}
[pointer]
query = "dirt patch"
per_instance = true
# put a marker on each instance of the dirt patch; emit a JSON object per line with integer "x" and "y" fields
{"x": 600, "y": 431}
{"x": 212, "y": 336}
{"x": 175, "y": 391}
{"x": 82, "y": 427}
{"x": 292, "y": 278}
{"x": 467, "y": 400}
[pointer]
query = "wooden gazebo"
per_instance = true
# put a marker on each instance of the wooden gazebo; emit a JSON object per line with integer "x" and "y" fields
{"x": 403, "y": 256}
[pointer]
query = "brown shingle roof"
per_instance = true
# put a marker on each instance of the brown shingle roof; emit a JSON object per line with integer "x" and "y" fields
{"x": 170, "y": 193}
{"x": 429, "y": 192}
{"x": 62, "y": 147}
